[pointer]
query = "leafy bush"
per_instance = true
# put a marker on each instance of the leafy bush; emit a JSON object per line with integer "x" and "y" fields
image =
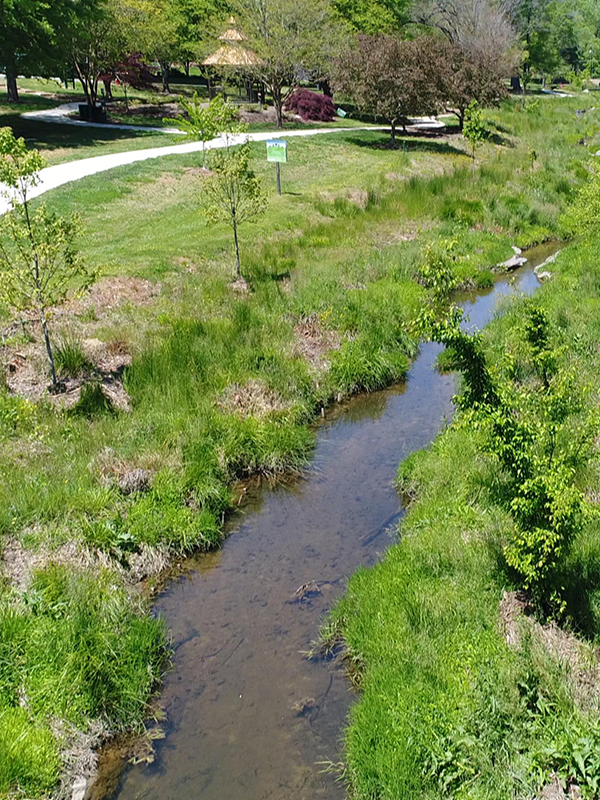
{"x": 311, "y": 105}
{"x": 536, "y": 432}
{"x": 436, "y": 271}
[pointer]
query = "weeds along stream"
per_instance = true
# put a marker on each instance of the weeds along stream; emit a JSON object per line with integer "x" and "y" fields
{"x": 248, "y": 716}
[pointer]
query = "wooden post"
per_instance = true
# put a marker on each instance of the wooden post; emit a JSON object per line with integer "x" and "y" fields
{"x": 278, "y": 165}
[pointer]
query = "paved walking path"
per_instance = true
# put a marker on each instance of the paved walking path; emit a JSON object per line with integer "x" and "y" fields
{"x": 62, "y": 116}
{"x": 60, "y": 174}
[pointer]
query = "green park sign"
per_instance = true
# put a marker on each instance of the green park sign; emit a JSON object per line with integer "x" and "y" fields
{"x": 277, "y": 150}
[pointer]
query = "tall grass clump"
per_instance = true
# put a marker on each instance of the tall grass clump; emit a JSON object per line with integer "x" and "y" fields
{"x": 70, "y": 357}
{"x": 74, "y": 647}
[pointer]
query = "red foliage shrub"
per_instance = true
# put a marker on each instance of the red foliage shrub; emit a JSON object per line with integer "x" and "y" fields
{"x": 311, "y": 105}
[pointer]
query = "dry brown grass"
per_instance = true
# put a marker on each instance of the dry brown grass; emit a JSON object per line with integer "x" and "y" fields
{"x": 254, "y": 399}
{"x": 314, "y": 342}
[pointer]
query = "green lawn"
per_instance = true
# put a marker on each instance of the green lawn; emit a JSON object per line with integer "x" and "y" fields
{"x": 339, "y": 268}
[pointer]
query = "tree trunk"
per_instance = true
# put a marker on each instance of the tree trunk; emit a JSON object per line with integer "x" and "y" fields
{"x": 11, "y": 82}
{"x": 325, "y": 85}
{"x": 108, "y": 88}
{"x": 278, "y": 103}
{"x": 165, "y": 68}
{"x": 393, "y": 133}
{"x": 237, "y": 248}
{"x": 48, "y": 346}
{"x": 186, "y": 66}
{"x": 461, "y": 119}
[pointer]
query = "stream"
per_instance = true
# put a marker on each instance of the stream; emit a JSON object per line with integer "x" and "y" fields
{"x": 248, "y": 717}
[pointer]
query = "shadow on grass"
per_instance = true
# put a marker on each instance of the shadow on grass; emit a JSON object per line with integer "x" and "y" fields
{"x": 51, "y": 136}
{"x": 410, "y": 143}
{"x": 497, "y": 138}
{"x": 581, "y": 581}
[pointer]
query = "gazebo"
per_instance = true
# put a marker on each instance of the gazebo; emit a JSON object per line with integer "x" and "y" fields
{"x": 234, "y": 55}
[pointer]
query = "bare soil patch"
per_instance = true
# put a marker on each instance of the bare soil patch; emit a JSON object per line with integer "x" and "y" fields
{"x": 314, "y": 342}
{"x": 27, "y": 375}
{"x": 110, "y": 292}
{"x": 254, "y": 399}
{"x": 240, "y": 286}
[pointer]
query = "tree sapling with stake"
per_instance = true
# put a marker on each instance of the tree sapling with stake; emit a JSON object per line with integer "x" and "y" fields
{"x": 39, "y": 259}
{"x": 202, "y": 122}
{"x": 233, "y": 194}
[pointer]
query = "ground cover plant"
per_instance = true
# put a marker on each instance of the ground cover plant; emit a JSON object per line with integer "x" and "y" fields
{"x": 195, "y": 385}
{"x": 474, "y": 642}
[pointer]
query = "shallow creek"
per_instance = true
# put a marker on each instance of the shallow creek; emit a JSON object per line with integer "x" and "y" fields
{"x": 248, "y": 717}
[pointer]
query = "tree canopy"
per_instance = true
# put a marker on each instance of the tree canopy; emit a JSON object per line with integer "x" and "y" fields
{"x": 389, "y": 77}
{"x": 32, "y": 35}
{"x": 373, "y": 16}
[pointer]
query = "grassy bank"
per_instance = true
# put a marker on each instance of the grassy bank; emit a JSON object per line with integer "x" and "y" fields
{"x": 220, "y": 385}
{"x": 465, "y": 690}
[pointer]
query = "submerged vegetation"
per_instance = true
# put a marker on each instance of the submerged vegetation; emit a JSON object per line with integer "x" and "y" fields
{"x": 217, "y": 385}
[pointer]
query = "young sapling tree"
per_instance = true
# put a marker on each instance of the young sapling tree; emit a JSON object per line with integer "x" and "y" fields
{"x": 233, "y": 194}
{"x": 474, "y": 130}
{"x": 202, "y": 122}
{"x": 39, "y": 259}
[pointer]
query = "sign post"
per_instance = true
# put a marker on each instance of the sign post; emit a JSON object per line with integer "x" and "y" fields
{"x": 277, "y": 152}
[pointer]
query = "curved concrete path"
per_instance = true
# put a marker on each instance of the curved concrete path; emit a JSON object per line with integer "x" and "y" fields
{"x": 60, "y": 174}
{"x": 61, "y": 115}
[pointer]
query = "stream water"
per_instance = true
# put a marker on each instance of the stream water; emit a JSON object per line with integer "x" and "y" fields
{"x": 248, "y": 717}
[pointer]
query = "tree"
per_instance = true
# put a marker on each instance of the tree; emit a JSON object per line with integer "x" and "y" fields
{"x": 203, "y": 122}
{"x": 531, "y": 20}
{"x": 154, "y": 28}
{"x": 467, "y": 75}
{"x": 481, "y": 26}
{"x": 288, "y": 36}
{"x": 389, "y": 77}
{"x": 131, "y": 71}
{"x": 373, "y": 16}
{"x": 30, "y": 40}
{"x": 39, "y": 260}
{"x": 233, "y": 194}
{"x": 542, "y": 431}
{"x": 474, "y": 130}
{"x": 95, "y": 42}
{"x": 197, "y": 26}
